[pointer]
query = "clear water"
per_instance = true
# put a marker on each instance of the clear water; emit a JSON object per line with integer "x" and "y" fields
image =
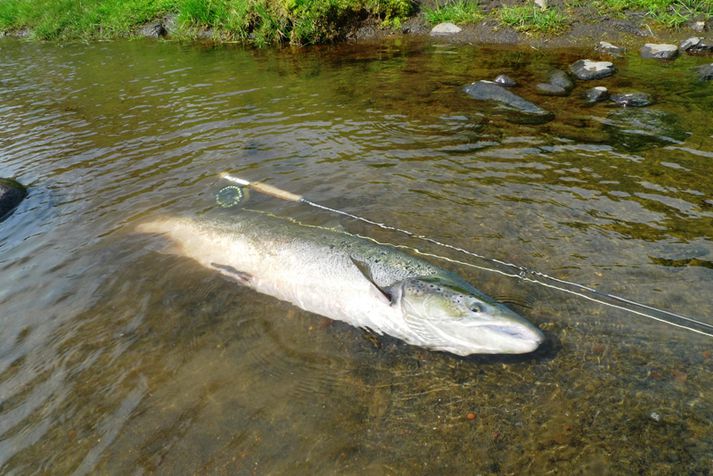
{"x": 118, "y": 358}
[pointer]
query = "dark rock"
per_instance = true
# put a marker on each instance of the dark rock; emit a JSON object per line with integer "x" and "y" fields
{"x": 493, "y": 92}
{"x": 637, "y": 129}
{"x": 705, "y": 72}
{"x": 505, "y": 80}
{"x": 659, "y": 51}
{"x": 11, "y": 194}
{"x": 609, "y": 49}
{"x": 635, "y": 99}
{"x": 596, "y": 94}
{"x": 445, "y": 29}
{"x": 549, "y": 89}
{"x": 587, "y": 69}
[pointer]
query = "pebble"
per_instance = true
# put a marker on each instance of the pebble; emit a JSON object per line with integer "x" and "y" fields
{"x": 505, "y": 80}
{"x": 659, "y": 51}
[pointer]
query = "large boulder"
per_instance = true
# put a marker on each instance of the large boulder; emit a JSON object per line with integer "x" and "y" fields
{"x": 11, "y": 194}
{"x": 494, "y": 93}
{"x": 659, "y": 51}
{"x": 587, "y": 69}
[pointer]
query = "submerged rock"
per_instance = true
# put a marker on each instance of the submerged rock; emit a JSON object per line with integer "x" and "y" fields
{"x": 445, "y": 29}
{"x": 705, "y": 72}
{"x": 596, "y": 94}
{"x": 493, "y": 92}
{"x": 587, "y": 69}
{"x": 549, "y": 89}
{"x": 12, "y": 193}
{"x": 561, "y": 79}
{"x": 636, "y": 128}
{"x": 609, "y": 49}
{"x": 559, "y": 85}
{"x": 633, "y": 99}
{"x": 659, "y": 51}
{"x": 505, "y": 80}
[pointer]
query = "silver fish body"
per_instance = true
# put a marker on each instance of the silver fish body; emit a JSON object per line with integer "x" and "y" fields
{"x": 352, "y": 279}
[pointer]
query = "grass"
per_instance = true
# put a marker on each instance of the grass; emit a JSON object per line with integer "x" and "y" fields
{"x": 530, "y": 18}
{"x": 259, "y": 21}
{"x": 459, "y": 12}
{"x": 57, "y": 19}
{"x": 669, "y": 13}
{"x": 265, "y": 22}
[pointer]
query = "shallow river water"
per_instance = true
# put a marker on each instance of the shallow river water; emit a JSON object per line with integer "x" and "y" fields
{"x": 118, "y": 358}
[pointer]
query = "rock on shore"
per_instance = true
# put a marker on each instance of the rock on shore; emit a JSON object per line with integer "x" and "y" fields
{"x": 445, "y": 29}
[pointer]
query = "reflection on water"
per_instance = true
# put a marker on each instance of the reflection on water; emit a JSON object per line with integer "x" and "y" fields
{"x": 115, "y": 357}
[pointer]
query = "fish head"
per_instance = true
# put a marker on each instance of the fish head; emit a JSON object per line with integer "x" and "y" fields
{"x": 445, "y": 314}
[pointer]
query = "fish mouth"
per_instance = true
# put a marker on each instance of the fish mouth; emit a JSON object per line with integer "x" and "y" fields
{"x": 518, "y": 339}
{"x": 500, "y": 338}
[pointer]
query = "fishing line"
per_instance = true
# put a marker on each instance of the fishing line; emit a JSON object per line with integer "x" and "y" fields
{"x": 521, "y": 272}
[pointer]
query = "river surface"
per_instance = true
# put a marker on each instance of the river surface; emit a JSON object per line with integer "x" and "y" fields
{"x": 118, "y": 358}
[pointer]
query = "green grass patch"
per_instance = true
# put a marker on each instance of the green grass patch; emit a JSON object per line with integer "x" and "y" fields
{"x": 669, "y": 13}
{"x": 458, "y": 12}
{"x": 258, "y": 21}
{"x": 530, "y": 18}
{"x": 58, "y": 19}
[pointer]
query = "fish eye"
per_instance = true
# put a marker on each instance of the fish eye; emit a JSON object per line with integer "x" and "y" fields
{"x": 475, "y": 307}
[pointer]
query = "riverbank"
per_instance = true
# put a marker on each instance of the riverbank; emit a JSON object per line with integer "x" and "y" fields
{"x": 301, "y": 22}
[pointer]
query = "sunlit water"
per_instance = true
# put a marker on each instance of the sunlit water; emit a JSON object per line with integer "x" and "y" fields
{"x": 116, "y": 357}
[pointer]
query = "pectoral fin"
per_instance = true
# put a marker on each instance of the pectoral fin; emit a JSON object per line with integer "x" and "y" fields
{"x": 229, "y": 271}
{"x": 366, "y": 272}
